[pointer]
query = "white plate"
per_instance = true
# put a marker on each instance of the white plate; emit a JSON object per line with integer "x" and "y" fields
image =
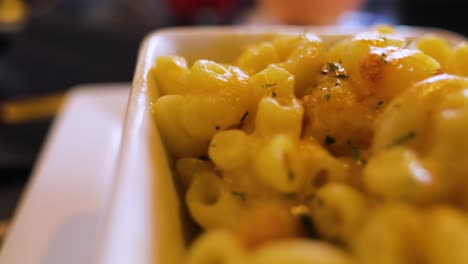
{"x": 60, "y": 213}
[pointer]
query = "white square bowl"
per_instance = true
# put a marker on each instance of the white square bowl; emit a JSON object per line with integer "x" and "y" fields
{"x": 146, "y": 223}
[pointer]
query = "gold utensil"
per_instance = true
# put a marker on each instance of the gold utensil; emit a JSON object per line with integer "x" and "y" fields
{"x": 30, "y": 109}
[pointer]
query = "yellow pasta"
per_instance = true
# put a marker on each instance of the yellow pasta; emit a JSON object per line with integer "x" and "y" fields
{"x": 211, "y": 203}
{"x": 229, "y": 149}
{"x": 279, "y": 164}
{"x": 187, "y": 168}
{"x": 274, "y": 82}
{"x": 446, "y": 236}
{"x": 302, "y": 152}
{"x": 458, "y": 61}
{"x": 258, "y": 58}
{"x": 170, "y": 75}
{"x": 218, "y": 247}
{"x": 435, "y": 129}
{"x": 300, "y": 252}
{"x": 305, "y": 58}
{"x": 168, "y": 116}
{"x": 399, "y": 174}
{"x": 437, "y": 48}
{"x": 392, "y": 234}
{"x": 378, "y": 64}
{"x": 275, "y": 118}
{"x": 338, "y": 212}
{"x": 285, "y": 45}
{"x": 320, "y": 166}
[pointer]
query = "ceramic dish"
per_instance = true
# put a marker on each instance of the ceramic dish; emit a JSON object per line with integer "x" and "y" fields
{"x": 146, "y": 222}
{"x": 61, "y": 211}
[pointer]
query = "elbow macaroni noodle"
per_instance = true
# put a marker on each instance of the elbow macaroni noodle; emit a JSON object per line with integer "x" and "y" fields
{"x": 304, "y": 153}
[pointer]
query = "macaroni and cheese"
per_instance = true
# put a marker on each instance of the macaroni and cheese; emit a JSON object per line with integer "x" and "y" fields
{"x": 301, "y": 152}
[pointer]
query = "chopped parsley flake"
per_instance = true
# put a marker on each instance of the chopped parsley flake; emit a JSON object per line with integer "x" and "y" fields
{"x": 218, "y": 173}
{"x": 404, "y": 138}
{"x": 291, "y": 175}
{"x": 333, "y": 66}
{"x": 410, "y": 180}
{"x": 327, "y": 97}
{"x": 291, "y": 195}
{"x": 269, "y": 85}
{"x": 308, "y": 225}
{"x": 336, "y": 240}
{"x": 379, "y": 197}
{"x": 383, "y": 58}
{"x": 319, "y": 202}
{"x": 310, "y": 197}
{"x": 379, "y": 103}
{"x": 202, "y": 157}
{"x": 243, "y": 117}
{"x": 342, "y": 76}
{"x": 273, "y": 94}
{"x": 355, "y": 153}
{"x": 329, "y": 140}
{"x": 320, "y": 179}
{"x": 241, "y": 195}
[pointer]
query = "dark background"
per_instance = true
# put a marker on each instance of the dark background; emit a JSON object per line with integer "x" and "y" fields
{"x": 69, "y": 42}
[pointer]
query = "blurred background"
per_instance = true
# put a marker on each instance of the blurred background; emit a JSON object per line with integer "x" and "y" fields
{"x": 47, "y": 46}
